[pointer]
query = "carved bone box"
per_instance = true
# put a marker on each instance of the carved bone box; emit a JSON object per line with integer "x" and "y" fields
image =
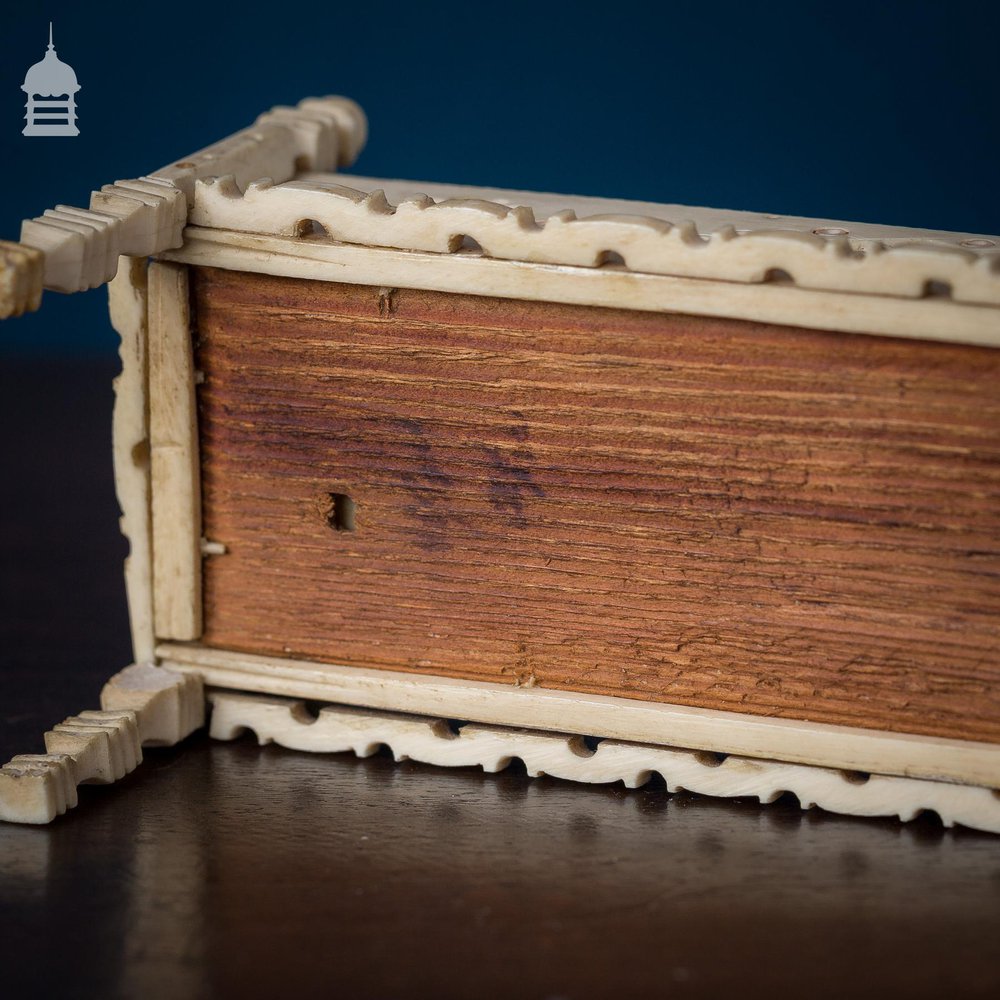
{"x": 613, "y": 488}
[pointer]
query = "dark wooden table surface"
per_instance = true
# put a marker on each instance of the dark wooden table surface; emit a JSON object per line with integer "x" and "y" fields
{"x": 226, "y": 870}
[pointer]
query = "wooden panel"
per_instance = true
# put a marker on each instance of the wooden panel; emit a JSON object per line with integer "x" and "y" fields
{"x": 697, "y": 511}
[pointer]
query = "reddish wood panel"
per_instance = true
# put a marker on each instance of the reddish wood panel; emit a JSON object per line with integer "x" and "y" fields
{"x": 705, "y": 512}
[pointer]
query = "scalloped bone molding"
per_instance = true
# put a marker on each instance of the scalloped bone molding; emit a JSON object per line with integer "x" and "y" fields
{"x": 646, "y": 244}
{"x": 70, "y": 249}
{"x": 338, "y": 729}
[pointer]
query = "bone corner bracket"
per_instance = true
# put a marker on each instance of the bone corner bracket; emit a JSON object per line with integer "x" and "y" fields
{"x": 21, "y": 273}
{"x": 142, "y": 705}
{"x": 69, "y": 249}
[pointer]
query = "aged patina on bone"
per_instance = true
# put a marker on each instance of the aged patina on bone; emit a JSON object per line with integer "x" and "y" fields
{"x": 717, "y": 577}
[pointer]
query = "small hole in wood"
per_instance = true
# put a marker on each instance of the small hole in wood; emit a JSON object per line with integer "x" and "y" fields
{"x": 185, "y": 165}
{"x": 466, "y": 245}
{"x": 310, "y": 227}
{"x": 978, "y": 242}
{"x": 830, "y": 231}
{"x": 610, "y": 258}
{"x": 711, "y": 759}
{"x": 340, "y": 512}
{"x": 443, "y": 730}
{"x": 855, "y": 777}
{"x": 937, "y": 290}
{"x": 578, "y": 746}
{"x": 778, "y": 276}
{"x": 305, "y": 713}
{"x": 312, "y": 708}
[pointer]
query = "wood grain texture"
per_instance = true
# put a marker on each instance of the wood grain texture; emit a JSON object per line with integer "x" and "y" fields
{"x": 697, "y": 511}
{"x": 229, "y": 871}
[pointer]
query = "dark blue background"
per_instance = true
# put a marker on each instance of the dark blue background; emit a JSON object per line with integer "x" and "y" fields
{"x": 883, "y": 112}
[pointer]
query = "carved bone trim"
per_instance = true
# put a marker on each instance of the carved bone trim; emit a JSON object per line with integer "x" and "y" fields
{"x": 337, "y": 729}
{"x": 647, "y": 245}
